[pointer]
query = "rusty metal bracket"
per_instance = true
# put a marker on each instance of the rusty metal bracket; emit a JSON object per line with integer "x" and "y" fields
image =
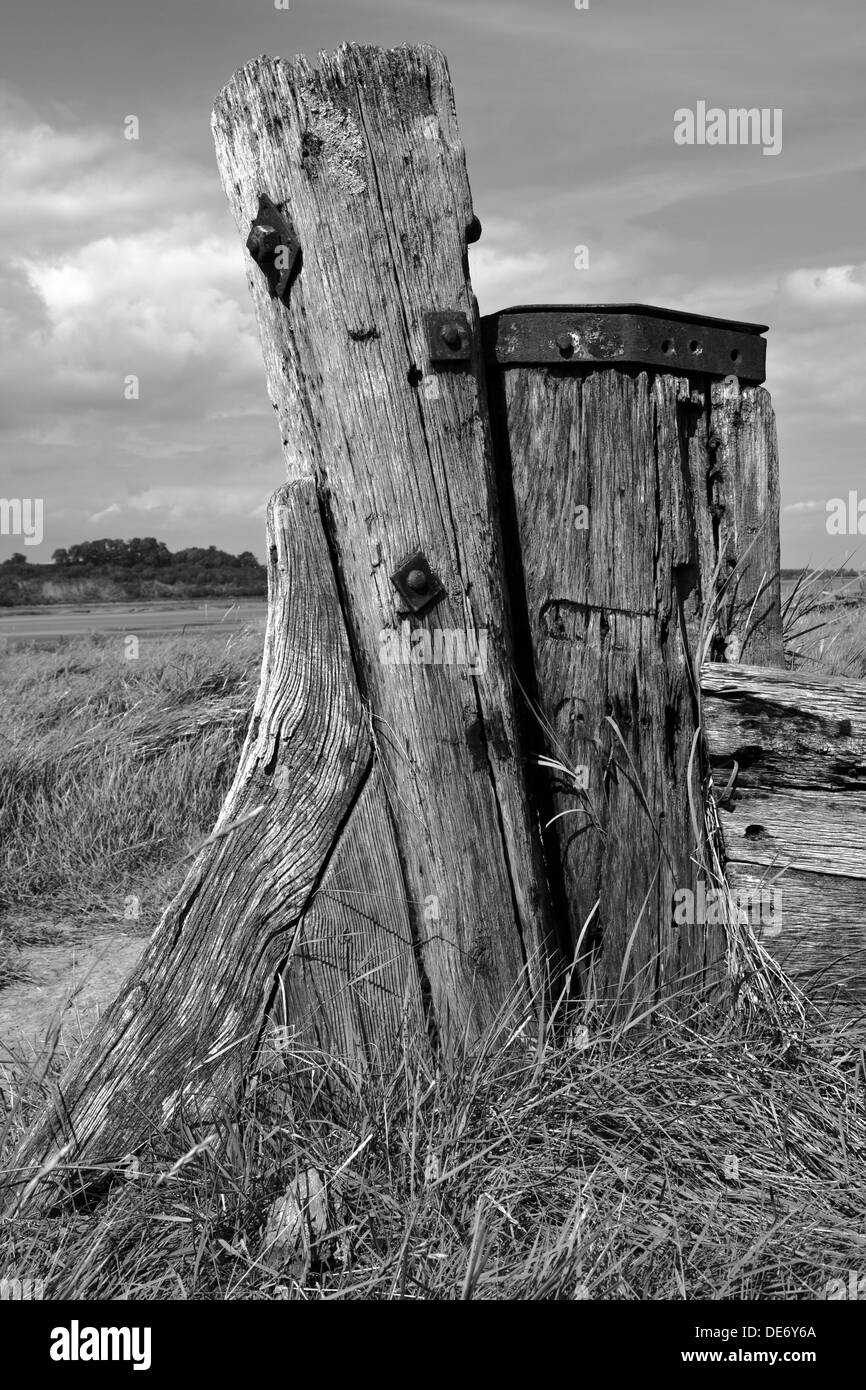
{"x": 625, "y": 334}
{"x": 274, "y": 246}
{"x": 417, "y": 585}
{"x": 449, "y": 337}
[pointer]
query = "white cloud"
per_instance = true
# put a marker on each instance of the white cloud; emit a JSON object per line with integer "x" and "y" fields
{"x": 168, "y": 293}
{"x": 65, "y": 183}
{"x": 105, "y": 273}
{"x": 114, "y": 510}
{"x": 185, "y": 501}
{"x": 503, "y": 273}
{"x": 499, "y": 274}
{"x": 835, "y": 287}
{"x": 131, "y": 283}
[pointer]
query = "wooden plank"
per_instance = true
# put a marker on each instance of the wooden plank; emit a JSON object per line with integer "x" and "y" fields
{"x": 606, "y": 606}
{"x": 797, "y": 815}
{"x": 365, "y": 155}
{"x": 744, "y": 487}
{"x": 819, "y": 932}
{"x": 822, "y": 832}
{"x": 786, "y": 729}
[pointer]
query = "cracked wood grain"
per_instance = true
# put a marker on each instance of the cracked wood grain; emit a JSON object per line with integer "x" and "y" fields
{"x": 608, "y": 607}
{"x": 363, "y": 153}
{"x": 744, "y": 518}
{"x": 183, "y": 1032}
{"x": 796, "y": 819}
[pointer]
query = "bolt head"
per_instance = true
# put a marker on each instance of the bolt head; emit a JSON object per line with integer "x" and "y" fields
{"x": 565, "y": 343}
{"x": 416, "y": 580}
{"x": 261, "y": 241}
{"x": 451, "y": 335}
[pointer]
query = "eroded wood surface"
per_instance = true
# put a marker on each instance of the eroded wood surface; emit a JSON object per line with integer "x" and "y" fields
{"x": 184, "y": 1029}
{"x": 604, "y": 503}
{"x": 364, "y": 154}
{"x": 742, "y": 513}
{"x": 796, "y": 819}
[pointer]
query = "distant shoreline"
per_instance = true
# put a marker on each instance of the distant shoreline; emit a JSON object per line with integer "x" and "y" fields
{"x": 132, "y": 605}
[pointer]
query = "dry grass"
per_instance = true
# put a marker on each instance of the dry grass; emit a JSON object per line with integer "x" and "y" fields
{"x": 825, "y": 624}
{"x": 111, "y": 769}
{"x": 702, "y": 1158}
{"x": 693, "y": 1161}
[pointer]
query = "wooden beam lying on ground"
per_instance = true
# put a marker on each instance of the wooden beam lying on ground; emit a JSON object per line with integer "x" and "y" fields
{"x": 796, "y": 816}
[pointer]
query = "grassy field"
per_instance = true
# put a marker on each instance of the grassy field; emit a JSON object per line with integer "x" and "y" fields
{"x": 825, "y": 624}
{"x": 111, "y": 769}
{"x": 721, "y": 1156}
{"x": 694, "y": 1163}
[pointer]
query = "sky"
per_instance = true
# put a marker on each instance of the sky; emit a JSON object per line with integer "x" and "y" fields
{"x": 119, "y": 256}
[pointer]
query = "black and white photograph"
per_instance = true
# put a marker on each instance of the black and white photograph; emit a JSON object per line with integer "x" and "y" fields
{"x": 432, "y": 673}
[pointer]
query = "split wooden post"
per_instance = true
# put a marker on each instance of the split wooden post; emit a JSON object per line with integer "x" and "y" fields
{"x": 364, "y": 156}
{"x": 377, "y": 865}
{"x": 644, "y": 515}
{"x": 181, "y": 1035}
{"x": 376, "y": 857}
{"x": 739, "y": 526}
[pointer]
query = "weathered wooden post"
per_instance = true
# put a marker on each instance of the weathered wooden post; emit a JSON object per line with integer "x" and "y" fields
{"x": 377, "y": 851}
{"x": 645, "y": 518}
{"x": 377, "y": 866}
{"x": 739, "y": 526}
{"x": 375, "y": 370}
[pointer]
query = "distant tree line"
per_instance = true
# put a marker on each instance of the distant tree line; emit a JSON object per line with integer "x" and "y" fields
{"x": 148, "y": 553}
{"x": 139, "y": 568}
{"x": 811, "y": 569}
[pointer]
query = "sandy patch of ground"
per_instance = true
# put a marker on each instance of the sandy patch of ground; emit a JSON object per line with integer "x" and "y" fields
{"x": 74, "y": 978}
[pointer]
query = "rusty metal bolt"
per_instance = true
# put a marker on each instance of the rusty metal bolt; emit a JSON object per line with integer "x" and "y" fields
{"x": 261, "y": 241}
{"x": 451, "y": 335}
{"x": 565, "y": 343}
{"x": 416, "y": 580}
